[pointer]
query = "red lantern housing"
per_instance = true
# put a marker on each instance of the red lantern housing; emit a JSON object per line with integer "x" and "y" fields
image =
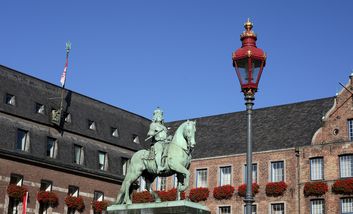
{"x": 249, "y": 61}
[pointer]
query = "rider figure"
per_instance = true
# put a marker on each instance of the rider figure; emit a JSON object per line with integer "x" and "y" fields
{"x": 158, "y": 133}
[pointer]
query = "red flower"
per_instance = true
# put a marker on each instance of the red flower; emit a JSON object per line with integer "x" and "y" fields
{"x": 223, "y": 192}
{"x": 199, "y": 194}
{"x": 170, "y": 195}
{"x": 276, "y": 189}
{"x": 242, "y": 189}
{"x": 315, "y": 188}
{"x": 16, "y": 192}
{"x": 75, "y": 203}
{"x": 344, "y": 187}
{"x": 49, "y": 198}
{"x": 99, "y": 206}
{"x": 142, "y": 197}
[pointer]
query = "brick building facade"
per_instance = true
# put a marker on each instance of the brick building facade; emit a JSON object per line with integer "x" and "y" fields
{"x": 84, "y": 156}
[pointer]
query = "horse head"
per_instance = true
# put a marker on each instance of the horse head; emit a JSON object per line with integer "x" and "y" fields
{"x": 189, "y": 133}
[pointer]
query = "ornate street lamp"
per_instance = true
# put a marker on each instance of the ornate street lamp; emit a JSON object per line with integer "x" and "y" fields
{"x": 249, "y": 62}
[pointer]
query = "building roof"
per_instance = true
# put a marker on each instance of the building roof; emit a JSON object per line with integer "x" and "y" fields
{"x": 277, "y": 127}
{"x": 30, "y": 90}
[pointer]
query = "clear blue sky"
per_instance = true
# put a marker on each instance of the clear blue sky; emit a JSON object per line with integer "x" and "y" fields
{"x": 177, "y": 54}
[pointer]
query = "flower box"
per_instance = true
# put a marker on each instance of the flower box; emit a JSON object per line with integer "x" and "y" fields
{"x": 344, "y": 187}
{"x": 223, "y": 192}
{"x": 99, "y": 206}
{"x": 49, "y": 198}
{"x": 242, "y": 189}
{"x": 75, "y": 203}
{"x": 315, "y": 188}
{"x": 16, "y": 192}
{"x": 142, "y": 197}
{"x": 276, "y": 189}
{"x": 199, "y": 194}
{"x": 170, "y": 195}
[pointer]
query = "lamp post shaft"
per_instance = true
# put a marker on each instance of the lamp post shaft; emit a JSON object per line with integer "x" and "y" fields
{"x": 249, "y": 102}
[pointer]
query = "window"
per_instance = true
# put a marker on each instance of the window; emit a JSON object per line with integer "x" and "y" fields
{"x": 13, "y": 204}
{"x": 317, "y": 206}
{"x": 350, "y": 129}
{"x": 316, "y": 168}
{"x": 175, "y": 181}
{"x": 102, "y": 156}
{"x": 346, "y": 165}
{"x": 40, "y": 109}
{"x": 68, "y": 118}
{"x": 78, "y": 159}
{"x": 125, "y": 165}
{"x": 277, "y": 171}
{"x": 91, "y": 125}
{"x": 254, "y": 173}
{"x": 347, "y": 205}
{"x": 225, "y": 175}
{"x": 142, "y": 184}
{"x": 22, "y": 140}
{"x": 10, "y": 99}
{"x": 135, "y": 139}
{"x": 201, "y": 178}
{"x": 51, "y": 147}
{"x": 46, "y": 185}
{"x": 161, "y": 183}
{"x": 277, "y": 208}
{"x": 98, "y": 196}
{"x": 115, "y": 132}
{"x": 224, "y": 210}
{"x": 253, "y": 209}
{"x": 16, "y": 179}
{"x": 73, "y": 191}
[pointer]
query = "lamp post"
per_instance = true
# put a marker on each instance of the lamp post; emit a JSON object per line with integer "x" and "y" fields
{"x": 249, "y": 62}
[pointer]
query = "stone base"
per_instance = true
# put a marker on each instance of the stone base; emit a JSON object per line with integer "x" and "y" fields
{"x": 175, "y": 207}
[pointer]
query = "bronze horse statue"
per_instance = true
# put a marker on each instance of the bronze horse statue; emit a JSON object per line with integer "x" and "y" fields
{"x": 177, "y": 162}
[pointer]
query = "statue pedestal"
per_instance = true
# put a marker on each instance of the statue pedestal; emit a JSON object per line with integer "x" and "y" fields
{"x": 175, "y": 207}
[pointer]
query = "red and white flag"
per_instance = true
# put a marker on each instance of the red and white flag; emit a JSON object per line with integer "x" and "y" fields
{"x": 24, "y": 203}
{"x": 63, "y": 75}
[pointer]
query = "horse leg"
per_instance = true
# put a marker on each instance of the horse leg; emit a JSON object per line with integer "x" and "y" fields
{"x": 155, "y": 196}
{"x": 179, "y": 168}
{"x": 129, "y": 179}
{"x": 180, "y": 178}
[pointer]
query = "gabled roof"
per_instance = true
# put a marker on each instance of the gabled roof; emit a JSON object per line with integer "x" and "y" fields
{"x": 277, "y": 127}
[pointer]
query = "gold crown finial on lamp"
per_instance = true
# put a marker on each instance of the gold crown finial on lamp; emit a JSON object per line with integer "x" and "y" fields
{"x": 248, "y": 25}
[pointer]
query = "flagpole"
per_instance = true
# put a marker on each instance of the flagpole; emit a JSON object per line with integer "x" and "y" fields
{"x": 63, "y": 77}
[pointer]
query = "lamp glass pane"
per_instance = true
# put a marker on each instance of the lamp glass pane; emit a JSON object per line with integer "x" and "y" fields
{"x": 243, "y": 70}
{"x": 256, "y": 67}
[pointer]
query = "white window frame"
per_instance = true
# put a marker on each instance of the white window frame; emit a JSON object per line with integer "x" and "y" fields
{"x": 92, "y": 125}
{"x": 277, "y": 203}
{"x": 223, "y": 178}
{"x": 350, "y": 206}
{"x": 272, "y": 176}
{"x": 78, "y": 159}
{"x": 10, "y": 99}
{"x": 24, "y": 141}
{"x": 197, "y": 185}
{"x": 175, "y": 181}
{"x": 115, "y": 132}
{"x": 316, "y": 168}
{"x": 316, "y": 209}
{"x": 76, "y": 191}
{"x": 40, "y": 108}
{"x": 161, "y": 184}
{"x": 346, "y": 166}
{"x": 102, "y": 165}
{"x": 53, "y": 150}
{"x": 142, "y": 184}
{"x": 254, "y": 173}
{"x": 224, "y": 206}
{"x": 135, "y": 139}
{"x": 98, "y": 196}
{"x": 253, "y": 205}
{"x": 350, "y": 129}
{"x": 125, "y": 165}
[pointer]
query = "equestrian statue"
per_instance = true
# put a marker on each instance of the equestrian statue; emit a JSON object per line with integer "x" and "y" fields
{"x": 166, "y": 157}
